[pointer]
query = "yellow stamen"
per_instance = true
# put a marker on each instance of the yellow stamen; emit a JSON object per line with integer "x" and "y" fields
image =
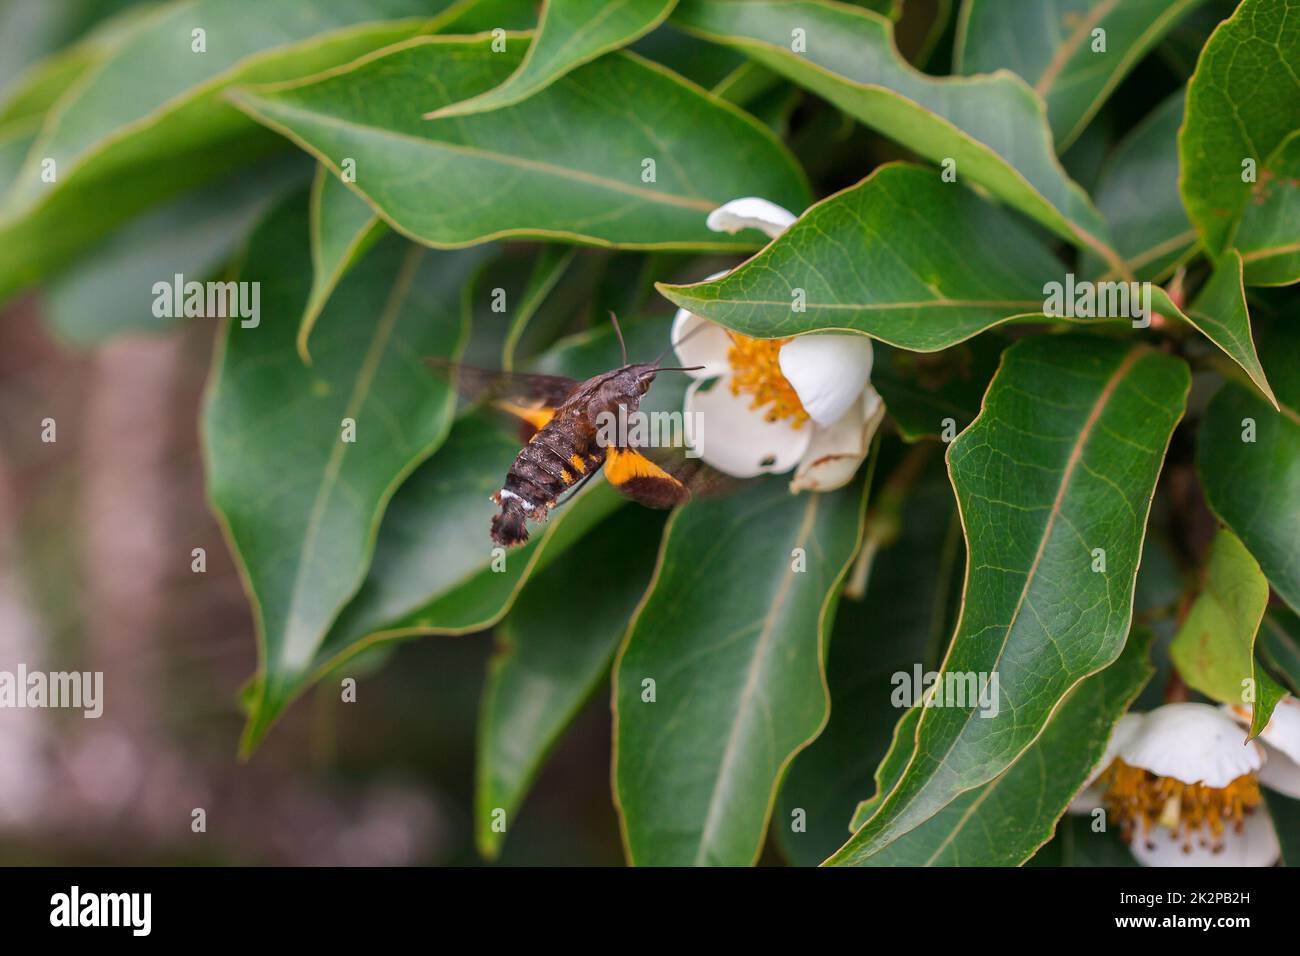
{"x": 756, "y": 370}
{"x": 1140, "y": 801}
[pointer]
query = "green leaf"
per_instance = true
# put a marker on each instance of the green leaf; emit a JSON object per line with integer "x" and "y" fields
{"x": 1138, "y": 195}
{"x": 901, "y": 256}
{"x": 896, "y": 626}
{"x": 300, "y": 495}
{"x": 1279, "y": 645}
{"x": 150, "y": 121}
{"x": 111, "y": 291}
{"x": 1221, "y": 313}
{"x": 569, "y": 34}
{"x": 732, "y": 635}
{"x": 1268, "y": 236}
{"x": 1285, "y": 812}
{"x": 567, "y": 163}
{"x": 1214, "y": 649}
{"x": 1248, "y": 457}
{"x": 1006, "y": 821}
{"x": 551, "y": 657}
{"x": 993, "y": 127}
{"x": 1077, "y": 844}
{"x": 1055, "y": 48}
{"x": 343, "y": 228}
{"x": 936, "y": 395}
{"x": 1243, "y": 104}
{"x": 1061, "y": 462}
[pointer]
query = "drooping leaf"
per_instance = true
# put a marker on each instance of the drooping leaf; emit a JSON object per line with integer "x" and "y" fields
{"x": 302, "y": 461}
{"x": 552, "y": 655}
{"x": 151, "y": 122}
{"x": 569, "y": 34}
{"x": 1248, "y": 457}
{"x": 1222, "y": 314}
{"x": 343, "y": 228}
{"x": 1058, "y": 50}
{"x": 1006, "y": 821}
{"x": 901, "y": 256}
{"x": 111, "y": 290}
{"x": 1138, "y": 195}
{"x": 993, "y": 127}
{"x": 896, "y": 627}
{"x": 1243, "y": 104}
{"x": 618, "y": 152}
{"x": 1214, "y": 649}
{"x": 1054, "y": 481}
{"x": 720, "y": 681}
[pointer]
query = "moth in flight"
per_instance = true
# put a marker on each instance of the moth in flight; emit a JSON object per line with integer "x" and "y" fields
{"x": 565, "y": 449}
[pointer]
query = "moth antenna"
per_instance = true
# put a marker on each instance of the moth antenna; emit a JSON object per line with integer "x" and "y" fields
{"x": 619, "y": 332}
{"x": 672, "y": 345}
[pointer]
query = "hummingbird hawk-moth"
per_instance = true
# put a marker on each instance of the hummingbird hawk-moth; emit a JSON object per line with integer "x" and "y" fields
{"x": 565, "y": 449}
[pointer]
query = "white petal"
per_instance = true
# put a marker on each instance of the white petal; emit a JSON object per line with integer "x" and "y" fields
{"x": 707, "y": 345}
{"x": 1194, "y": 743}
{"x": 1283, "y": 730}
{"x": 835, "y": 453}
{"x": 1090, "y": 797}
{"x": 737, "y": 439}
{"x": 1255, "y": 845}
{"x": 1280, "y": 773}
{"x": 751, "y": 213}
{"x": 828, "y": 373}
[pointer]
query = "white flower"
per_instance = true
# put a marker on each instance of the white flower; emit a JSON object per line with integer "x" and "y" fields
{"x": 772, "y": 405}
{"x": 1183, "y": 784}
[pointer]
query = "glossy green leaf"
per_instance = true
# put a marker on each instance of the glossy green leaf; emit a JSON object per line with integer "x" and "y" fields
{"x": 1138, "y": 195}
{"x": 1056, "y": 48}
{"x": 570, "y": 162}
{"x": 720, "y": 681}
{"x": 1243, "y": 103}
{"x": 302, "y": 461}
{"x": 1006, "y": 821}
{"x": 569, "y": 34}
{"x": 343, "y": 228}
{"x": 1223, "y": 315}
{"x": 1269, "y": 234}
{"x": 551, "y": 657}
{"x": 1054, "y": 481}
{"x": 1214, "y": 649}
{"x": 993, "y": 127}
{"x": 901, "y": 256}
{"x": 939, "y": 394}
{"x": 1248, "y": 457}
{"x": 150, "y": 121}
{"x": 110, "y": 290}
{"x": 898, "y": 624}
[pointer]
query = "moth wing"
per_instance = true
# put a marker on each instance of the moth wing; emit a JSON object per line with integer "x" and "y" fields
{"x": 532, "y": 399}
{"x": 642, "y": 480}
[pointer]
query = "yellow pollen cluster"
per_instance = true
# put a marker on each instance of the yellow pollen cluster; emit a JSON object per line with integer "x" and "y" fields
{"x": 757, "y": 372}
{"x": 1140, "y": 801}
